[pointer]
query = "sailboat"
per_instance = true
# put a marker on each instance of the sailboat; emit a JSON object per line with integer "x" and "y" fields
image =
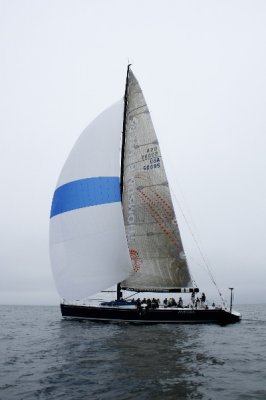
{"x": 112, "y": 222}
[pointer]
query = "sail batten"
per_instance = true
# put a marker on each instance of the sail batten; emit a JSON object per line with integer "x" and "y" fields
{"x": 154, "y": 241}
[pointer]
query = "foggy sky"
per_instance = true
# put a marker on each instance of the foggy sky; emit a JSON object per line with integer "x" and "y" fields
{"x": 201, "y": 65}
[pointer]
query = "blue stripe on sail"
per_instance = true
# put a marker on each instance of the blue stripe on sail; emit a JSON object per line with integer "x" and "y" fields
{"x": 85, "y": 193}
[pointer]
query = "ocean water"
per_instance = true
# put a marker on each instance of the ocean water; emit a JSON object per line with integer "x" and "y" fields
{"x": 45, "y": 357}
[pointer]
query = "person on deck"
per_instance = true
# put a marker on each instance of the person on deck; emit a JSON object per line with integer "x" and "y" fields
{"x": 203, "y": 299}
{"x": 197, "y": 302}
{"x": 174, "y": 304}
{"x": 149, "y": 303}
{"x": 180, "y": 303}
{"x": 154, "y": 303}
{"x": 193, "y": 295}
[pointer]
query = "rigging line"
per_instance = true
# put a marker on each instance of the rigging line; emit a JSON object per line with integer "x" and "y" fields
{"x": 194, "y": 228}
{"x": 203, "y": 267}
{"x": 198, "y": 246}
{"x": 194, "y": 281}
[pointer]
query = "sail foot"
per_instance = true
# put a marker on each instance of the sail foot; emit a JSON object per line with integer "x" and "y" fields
{"x": 162, "y": 290}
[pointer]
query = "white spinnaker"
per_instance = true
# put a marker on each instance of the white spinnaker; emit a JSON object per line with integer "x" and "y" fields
{"x": 88, "y": 247}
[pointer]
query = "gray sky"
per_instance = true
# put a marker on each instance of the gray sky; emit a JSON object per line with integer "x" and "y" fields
{"x": 201, "y": 65}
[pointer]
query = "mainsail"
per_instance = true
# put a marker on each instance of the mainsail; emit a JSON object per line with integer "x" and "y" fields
{"x": 88, "y": 245}
{"x": 153, "y": 236}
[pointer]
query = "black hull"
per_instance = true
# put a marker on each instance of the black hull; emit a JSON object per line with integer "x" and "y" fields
{"x": 159, "y": 315}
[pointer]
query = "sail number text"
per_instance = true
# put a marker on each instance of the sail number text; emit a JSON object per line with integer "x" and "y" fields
{"x": 152, "y": 157}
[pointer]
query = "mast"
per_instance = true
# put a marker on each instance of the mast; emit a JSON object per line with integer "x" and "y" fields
{"x": 118, "y": 289}
{"x": 124, "y": 134}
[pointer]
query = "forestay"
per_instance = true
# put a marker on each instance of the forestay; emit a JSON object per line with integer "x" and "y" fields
{"x": 153, "y": 236}
{"x": 88, "y": 245}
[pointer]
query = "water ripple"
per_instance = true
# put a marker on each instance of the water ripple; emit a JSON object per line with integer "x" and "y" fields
{"x": 44, "y": 357}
